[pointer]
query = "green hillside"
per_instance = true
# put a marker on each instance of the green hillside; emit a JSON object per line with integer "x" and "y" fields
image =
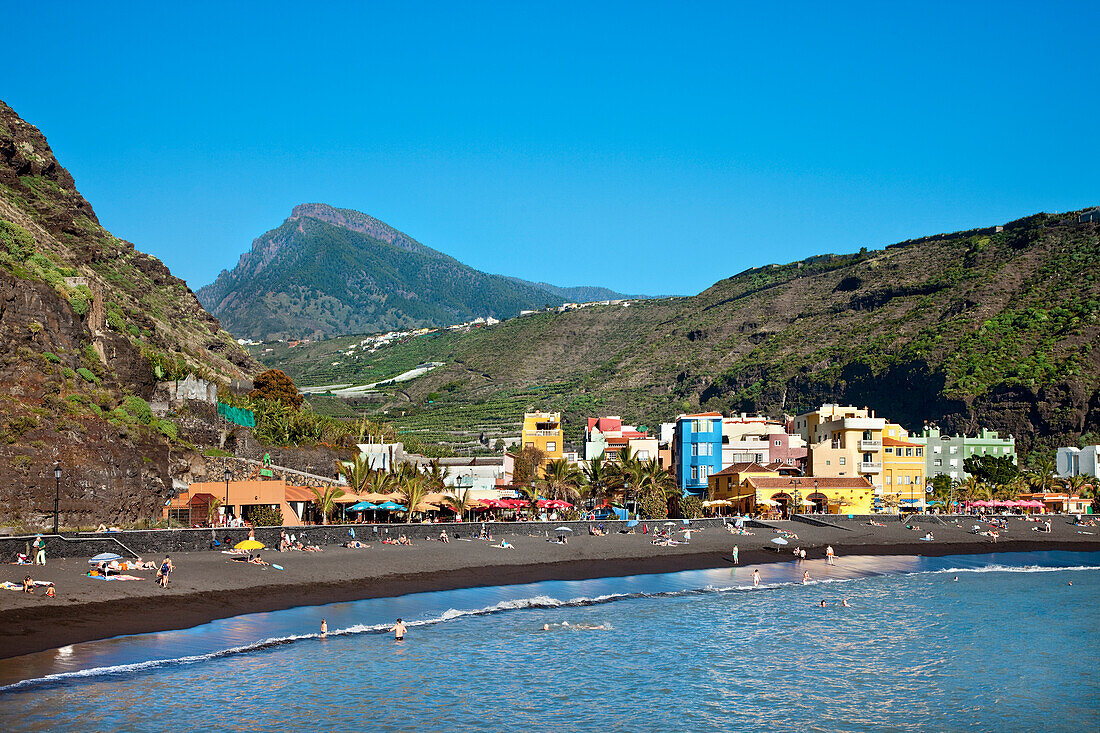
{"x": 990, "y": 327}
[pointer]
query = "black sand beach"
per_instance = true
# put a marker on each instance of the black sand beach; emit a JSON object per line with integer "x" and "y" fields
{"x": 209, "y": 585}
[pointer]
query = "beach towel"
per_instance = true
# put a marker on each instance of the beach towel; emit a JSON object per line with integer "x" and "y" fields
{"x": 115, "y": 577}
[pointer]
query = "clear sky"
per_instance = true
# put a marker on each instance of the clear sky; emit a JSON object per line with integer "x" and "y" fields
{"x": 651, "y": 148}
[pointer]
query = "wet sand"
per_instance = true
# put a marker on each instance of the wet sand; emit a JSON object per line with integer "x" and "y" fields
{"x": 209, "y": 585}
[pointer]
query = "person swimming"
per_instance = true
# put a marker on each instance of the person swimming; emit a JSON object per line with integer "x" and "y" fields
{"x": 845, "y": 603}
{"x": 955, "y": 579}
{"x": 823, "y": 603}
{"x": 399, "y": 630}
{"x": 806, "y": 577}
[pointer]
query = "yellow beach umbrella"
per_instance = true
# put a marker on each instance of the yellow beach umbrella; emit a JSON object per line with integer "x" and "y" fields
{"x": 249, "y": 545}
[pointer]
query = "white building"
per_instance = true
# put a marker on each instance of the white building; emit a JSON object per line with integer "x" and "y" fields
{"x": 1078, "y": 461}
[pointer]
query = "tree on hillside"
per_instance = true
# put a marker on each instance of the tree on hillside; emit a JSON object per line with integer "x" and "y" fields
{"x": 275, "y": 386}
{"x": 996, "y": 470}
{"x": 527, "y": 465}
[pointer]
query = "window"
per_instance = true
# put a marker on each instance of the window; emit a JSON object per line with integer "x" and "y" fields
{"x": 642, "y": 455}
{"x": 828, "y": 463}
{"x": 704, "y": 472}
{"x": 694, "y": 473}
{"x": 843, "y": 460}
{"x": 528, "y": 444}
{"x": 696, "y": 426}
{"x": 954, "y": 462}
{"x": 551, "y": 446}
{"x": 779, "y": 442}
{"x": 954, "y": 449}
{"x": 889, "y": 480}
{"x": 909, "y": 452}
{"x": 889, "y": 450}
{"x": 937, "y": 449}
{"x": 937, "y": 462}
{"x": 920, "y": 452}
{"x": 694, "y": 449}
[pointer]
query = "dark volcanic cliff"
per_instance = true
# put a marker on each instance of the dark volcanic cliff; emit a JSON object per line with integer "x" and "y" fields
{"x": 88, "y": 325}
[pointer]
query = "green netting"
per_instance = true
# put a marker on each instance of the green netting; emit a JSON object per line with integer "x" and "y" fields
{"x": 237, "y": 415}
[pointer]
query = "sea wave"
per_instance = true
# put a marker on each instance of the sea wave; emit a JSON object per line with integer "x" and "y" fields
{"x": 534, "y": 602}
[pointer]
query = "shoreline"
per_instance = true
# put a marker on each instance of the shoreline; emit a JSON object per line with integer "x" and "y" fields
{"x": 31, "y": 629}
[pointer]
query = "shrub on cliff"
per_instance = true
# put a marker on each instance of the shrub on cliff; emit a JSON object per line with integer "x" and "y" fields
{"x": 275, "y": 386}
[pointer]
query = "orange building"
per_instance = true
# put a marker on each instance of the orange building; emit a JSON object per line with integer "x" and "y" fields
{"x": 192, "y": 507}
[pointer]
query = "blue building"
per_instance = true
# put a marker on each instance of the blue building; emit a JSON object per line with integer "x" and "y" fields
{"x": 697, "y": 451}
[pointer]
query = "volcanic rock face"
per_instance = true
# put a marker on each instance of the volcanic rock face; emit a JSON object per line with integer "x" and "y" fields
{"x": 87, "y": 326}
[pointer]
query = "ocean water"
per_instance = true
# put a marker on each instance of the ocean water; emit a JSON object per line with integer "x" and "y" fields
{"x": 1010, "y": 645}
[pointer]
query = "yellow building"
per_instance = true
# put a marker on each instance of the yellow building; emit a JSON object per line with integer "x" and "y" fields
{"x": 902, "y": 468}
{"x": 543, "y": 430}
{"x": 844, "y": 442}
{"x": 728, "y": 484}
{"x": 823, "y": 495}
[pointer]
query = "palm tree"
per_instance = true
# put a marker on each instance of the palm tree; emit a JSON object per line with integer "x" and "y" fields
{"x": 413, "y": 489}
{"x": 357, "y": 471}
{"x": 212, "y": 510}
{"x": 325, "y": 499}
{"x": 379, "y": 482}
{"x": 562, "y": 479}
{"x": 1042, "y": 478}
{"x": 531, "y": 493}
{"x": 598, "y": 477}
{"x": 437, "y": 475}
{"x": 460, "y": 502}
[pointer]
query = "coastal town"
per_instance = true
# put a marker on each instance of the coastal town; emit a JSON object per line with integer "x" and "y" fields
{"x": 832, "y": 460}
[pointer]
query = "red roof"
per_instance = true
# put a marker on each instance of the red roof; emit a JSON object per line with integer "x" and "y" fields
{"x": 704, "y": 414}
{"x": 743, "y": 468}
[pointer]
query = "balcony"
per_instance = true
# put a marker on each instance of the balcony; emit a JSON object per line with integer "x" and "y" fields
{"x": 870, "y": 467}
{"x": 870, "y": 445}
{"x": 544, "y": 433}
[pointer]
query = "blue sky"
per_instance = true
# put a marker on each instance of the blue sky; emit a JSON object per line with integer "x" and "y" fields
{"x": 651, "y": 148}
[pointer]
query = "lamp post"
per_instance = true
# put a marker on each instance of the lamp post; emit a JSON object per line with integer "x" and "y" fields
{"x": 225, "y": 507}
{"x": 626, "y": 495}
{"x": 57, "y": 493}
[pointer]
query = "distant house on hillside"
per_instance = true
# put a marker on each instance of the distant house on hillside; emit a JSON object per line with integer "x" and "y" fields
{"x": 1092, "y": 214}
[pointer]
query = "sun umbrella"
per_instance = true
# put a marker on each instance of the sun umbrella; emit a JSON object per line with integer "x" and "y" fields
{"x": 563, "y": 529}
{"x": 670, "y": 524}
{"x": 779, "y": 541}
{"x": 249, "y": 545}
{"x": 685, "y": 521}
{"x": 105, "y": 557}
{"x": 362, "y": 507}
{"x": 390, "y": 506}
{"x": 632, "y": 523}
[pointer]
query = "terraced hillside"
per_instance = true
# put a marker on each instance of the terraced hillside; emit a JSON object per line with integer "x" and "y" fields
{"x": 993, "y": 327}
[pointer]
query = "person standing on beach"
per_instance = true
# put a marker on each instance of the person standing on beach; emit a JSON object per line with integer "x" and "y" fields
{"x": 398, "y": 630}
{"x": 40, "y": 550}
{"x": 755, "y": 578}
{"x": 829, "y": 557}
{"x": 735, "y": 561}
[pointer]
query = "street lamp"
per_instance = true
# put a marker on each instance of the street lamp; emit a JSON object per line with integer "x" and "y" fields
{"x": 626, "y": 495}
{"x": 226, "y": 474}
{"x": 57, "y": 493}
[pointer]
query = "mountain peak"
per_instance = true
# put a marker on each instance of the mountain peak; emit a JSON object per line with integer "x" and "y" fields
{"x": 357, "y": 221}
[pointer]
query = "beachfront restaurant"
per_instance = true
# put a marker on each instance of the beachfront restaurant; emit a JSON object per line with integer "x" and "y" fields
{"x": 785, "y": 495}
{"x": 238, "y": 499}
{"x": 1060, "y": 502}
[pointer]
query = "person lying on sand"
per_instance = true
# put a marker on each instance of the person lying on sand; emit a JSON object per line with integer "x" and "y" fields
{"x": 505, "y": 545}
{"x": 257, "y": 560}
{"x": 355, "y": 545}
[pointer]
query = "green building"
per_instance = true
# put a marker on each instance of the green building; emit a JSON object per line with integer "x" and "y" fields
{"x": 944, "y": 454}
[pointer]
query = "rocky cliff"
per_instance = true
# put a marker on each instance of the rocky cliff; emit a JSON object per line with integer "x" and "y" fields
{"x": 88, "y": 325}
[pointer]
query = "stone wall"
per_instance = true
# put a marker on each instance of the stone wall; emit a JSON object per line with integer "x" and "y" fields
{"x": 159, "y": 542}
